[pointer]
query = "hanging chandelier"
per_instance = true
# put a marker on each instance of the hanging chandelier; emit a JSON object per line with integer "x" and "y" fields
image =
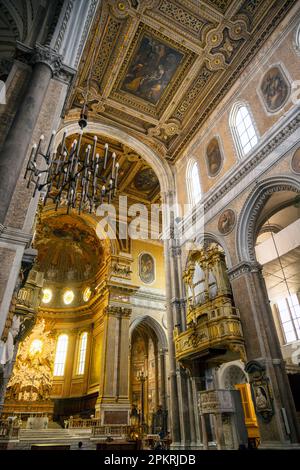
{"x": 72, "y": 176}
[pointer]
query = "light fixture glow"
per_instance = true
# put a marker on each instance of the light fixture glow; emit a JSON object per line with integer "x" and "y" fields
{"x": 47, "y": 296}
{"x": 87, "y": 294}
{"x": 68, "y": 297}
{"x": 35, "y": 347}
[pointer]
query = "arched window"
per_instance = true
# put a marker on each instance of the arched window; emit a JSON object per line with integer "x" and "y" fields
{"x": 82, "y": 353}
{"x": 243, "y": 129}
{"x": 193, "y": 182}
{"x": 297, "y": 39}
{"x": 60, "y": 355}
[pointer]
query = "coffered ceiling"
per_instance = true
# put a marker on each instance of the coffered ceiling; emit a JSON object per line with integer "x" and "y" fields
{"x": 160, "y": 67}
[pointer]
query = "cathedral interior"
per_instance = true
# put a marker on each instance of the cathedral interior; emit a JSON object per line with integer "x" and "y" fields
{"x": 149, "y": 205}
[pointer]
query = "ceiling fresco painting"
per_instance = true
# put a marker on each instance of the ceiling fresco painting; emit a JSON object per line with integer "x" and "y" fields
{"x": 163, "y": 66}
{"x": 151, "y": 69}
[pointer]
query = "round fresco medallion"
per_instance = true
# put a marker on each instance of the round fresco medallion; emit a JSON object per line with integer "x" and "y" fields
{"x": 226, "y": 222}
{"x": 146, "y": 180}
{"x": 275, "y": 89}
{"x": 295, "y": 163}
{"x": 146, "y": 268}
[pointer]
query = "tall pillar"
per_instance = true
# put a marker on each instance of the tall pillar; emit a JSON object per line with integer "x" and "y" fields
{"x": 113, "y": 406}
{"x": 163, "y": 394}
{"x": 180, "y": 419}
{"x": 204, "y": 432}
{"x": 174, "y": 403}
{"x": 262, "y": 345}
{"x": 198, "y": 441}
{"x": 46, "y": 63}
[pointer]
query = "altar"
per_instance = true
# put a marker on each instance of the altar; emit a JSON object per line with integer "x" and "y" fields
{"x": 37, "y": 422}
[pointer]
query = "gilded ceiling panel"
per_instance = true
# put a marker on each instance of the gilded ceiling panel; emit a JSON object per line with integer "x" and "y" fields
{"x": 162, "y": 66}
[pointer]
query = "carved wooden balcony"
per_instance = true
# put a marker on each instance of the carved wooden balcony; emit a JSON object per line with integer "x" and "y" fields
{"x": 215, "y": 331}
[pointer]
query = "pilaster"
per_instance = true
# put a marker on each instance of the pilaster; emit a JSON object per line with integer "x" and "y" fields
{"x": 113, "y": 406}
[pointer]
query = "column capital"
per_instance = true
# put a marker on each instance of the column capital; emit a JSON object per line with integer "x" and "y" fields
{"x": 242, "y": 268}
{"x": 48, "y": 56}
{"x": 180, "y": 303}
{"x": 114, "y": 310}
{"x": 39, "y": 54}
{"x": 176, "y": 252}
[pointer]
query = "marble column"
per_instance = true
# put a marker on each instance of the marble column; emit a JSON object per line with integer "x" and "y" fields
{"x": 163, "y": 394}
{"x": 180, "y": 409}
{"x": 174, "y": 402}
{"x": 18, "y": 139}
{"x": 262, "y": 345}
{"x": 204, "y": 432}
{"x": 190, "y": 399}
{"x": 198, "y": 442}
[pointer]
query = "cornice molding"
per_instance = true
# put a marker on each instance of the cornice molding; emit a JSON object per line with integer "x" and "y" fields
{"x": 237, "y": 174}
{"x": 14, "y": 236}
{"x": 257, "y": 158}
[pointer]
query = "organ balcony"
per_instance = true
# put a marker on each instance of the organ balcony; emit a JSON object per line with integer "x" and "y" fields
{"x": 214, "y": 331}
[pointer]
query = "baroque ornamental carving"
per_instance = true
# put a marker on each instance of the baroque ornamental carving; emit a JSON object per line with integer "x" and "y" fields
{"x": 213, "y": 322}
{"x": 31, "y": 380}
{"x": 158, "y": 59}
{"x": 261, "y": 391}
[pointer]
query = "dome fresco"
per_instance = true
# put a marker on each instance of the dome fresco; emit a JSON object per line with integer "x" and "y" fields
{"x": 68, "y": 250}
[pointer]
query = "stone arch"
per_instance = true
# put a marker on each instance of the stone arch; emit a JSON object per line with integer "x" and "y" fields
{"x": 247, "y": 224}
{"x": 232, "y": 373}
{"x": 210, "y": 237}
{"x": 153, "y": 325}
{"x": 159, "y": 165}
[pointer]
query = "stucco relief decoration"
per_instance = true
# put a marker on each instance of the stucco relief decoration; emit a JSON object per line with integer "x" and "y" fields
{"x": 151, "y": 69}
{"x": 226, "y": 222}
{"x": 214, "y": 157}
{"x": 146, "y": 268}
{"x": 295, "y": 163}
{"x": 275, "y": 89}
{"x": 32, "y": 376}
